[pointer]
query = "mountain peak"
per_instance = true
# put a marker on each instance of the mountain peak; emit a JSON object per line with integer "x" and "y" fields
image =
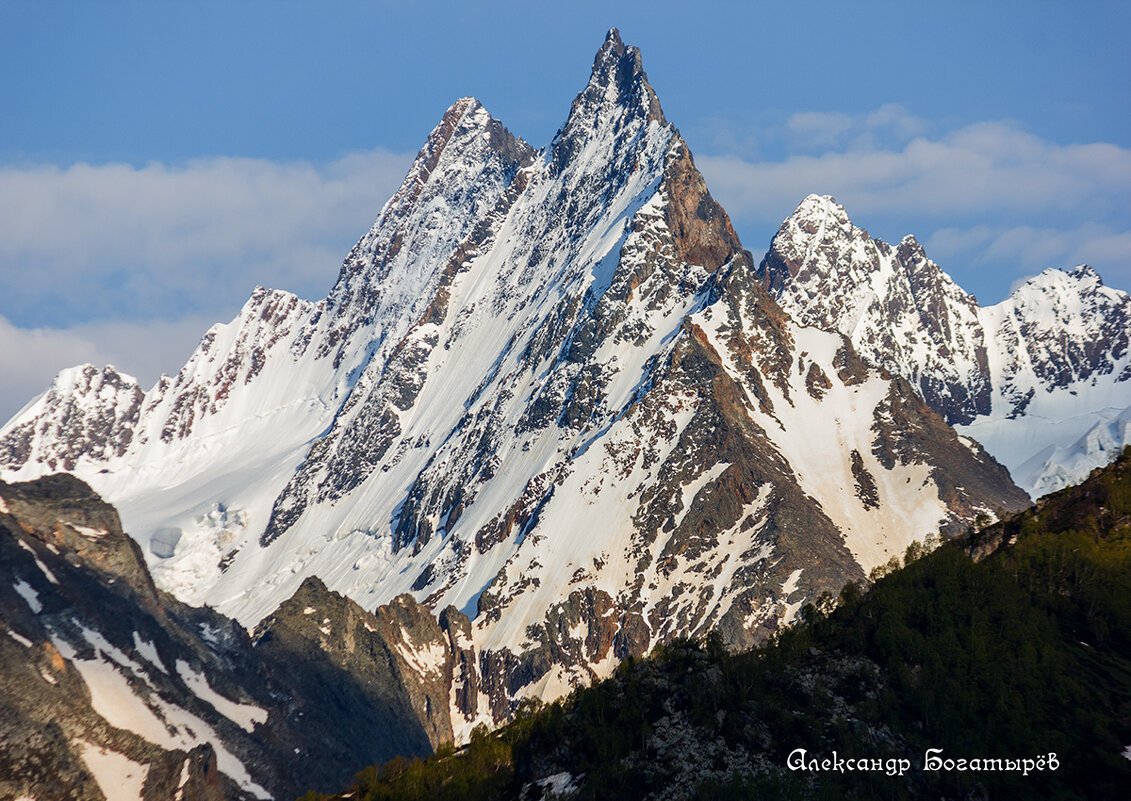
{"x": 821, "y": 207}
{"x": 1080, "y": 279}
{"x": 618, "y": 78}
{"x": 466, "y": 123}
{"x": 461, "y": 106}
{"x": 613, "y": 49}
{"x": 911, "y": 251}
{"x": 1085, "y": 273}
{"x": 617, "y": 96}
{"x": 468, "y": 158}
{"x": 829, "y": 273}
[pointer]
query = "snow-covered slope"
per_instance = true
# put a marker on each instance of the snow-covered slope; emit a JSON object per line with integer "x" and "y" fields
{"x": 1059, "y": 466}
{"x": 548, "y": 390}
{"x": 205, "y": 452}
{"x": 1028, "y": 377}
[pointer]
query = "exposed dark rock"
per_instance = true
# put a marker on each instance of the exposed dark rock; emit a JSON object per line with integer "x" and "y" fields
{"x": 323, "y": 687}
{"x": 865, "y": 484}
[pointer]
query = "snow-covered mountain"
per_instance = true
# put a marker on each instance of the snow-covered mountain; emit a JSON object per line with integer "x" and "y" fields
{"x": 1038, "y": 379}
{"x": 548, "y": 392}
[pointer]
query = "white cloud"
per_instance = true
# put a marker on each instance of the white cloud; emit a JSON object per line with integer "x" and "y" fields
{"x": 987, "y": 168}
{"x": 818, "y": 128}
{"x": 31, "y": 357}
{"x": 890, "y": 125}
{"x": 991, "y": 202}
{"x": 946, "y": 243}
{"x": 116, "y": 241}
{"x": 114, "y": 264}
{"x": 1028, "y": 249}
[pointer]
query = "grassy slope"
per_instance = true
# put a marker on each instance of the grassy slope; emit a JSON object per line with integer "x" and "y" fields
{"x": 1025, "y": 652}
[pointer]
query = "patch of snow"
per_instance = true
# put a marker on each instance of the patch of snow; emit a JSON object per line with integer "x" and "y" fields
{"x": 38, "y": 562}
{"x": 28, "y": 593}
{"x": 558, "y": 784}
{"x": 243, "y": 715}
{"x": 183, "y": 780}
{"x": 148, "y": 652}
{"x": 461, "y": 641}
{"x": 103, "y": 646}
{"x": 691, "y": 489}
{"x": 790, "y": 610}
{"x": 21, "y": 639}
{"x": 87, "y": 531}
{"x": 118, "y": 777}
{"x": 427, "y": 659}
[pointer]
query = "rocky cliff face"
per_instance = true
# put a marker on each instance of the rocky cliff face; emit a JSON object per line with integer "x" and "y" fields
{"x": 1028, "y": 377}
{"x": 549, "y": 396}
{"x": 87, "y": 415}
{"x": 899, "y": 309}
{"x": 110, "y": 688}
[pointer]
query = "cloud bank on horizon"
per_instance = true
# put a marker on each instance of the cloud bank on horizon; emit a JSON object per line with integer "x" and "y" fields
{"x": 112, "y": 264}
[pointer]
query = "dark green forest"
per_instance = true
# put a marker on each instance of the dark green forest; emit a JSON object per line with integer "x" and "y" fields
{"x": 1012, "y": 642}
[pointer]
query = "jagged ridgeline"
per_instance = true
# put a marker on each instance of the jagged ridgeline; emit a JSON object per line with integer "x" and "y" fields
{"x": 1003, "y": 659}
{"x": 548, "y": 418}
{"x": 1042, "y": 379}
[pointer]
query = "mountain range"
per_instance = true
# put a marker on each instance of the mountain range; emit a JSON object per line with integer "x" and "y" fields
{"x": 552, "y": 414}
{"x": 1040, "y": 379}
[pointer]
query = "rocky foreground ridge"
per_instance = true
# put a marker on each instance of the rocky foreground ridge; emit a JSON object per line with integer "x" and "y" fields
{"x": 111, "y": 688}
{"x": 548, "y": 418}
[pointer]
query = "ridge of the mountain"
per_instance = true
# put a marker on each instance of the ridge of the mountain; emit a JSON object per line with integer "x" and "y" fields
{"x": 1027, "y": 377}
{"x": 110, "y": 688}
{"x": 548, "y": 395}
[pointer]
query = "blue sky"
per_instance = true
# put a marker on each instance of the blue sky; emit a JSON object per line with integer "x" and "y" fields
{"x": 158, "y": 160}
